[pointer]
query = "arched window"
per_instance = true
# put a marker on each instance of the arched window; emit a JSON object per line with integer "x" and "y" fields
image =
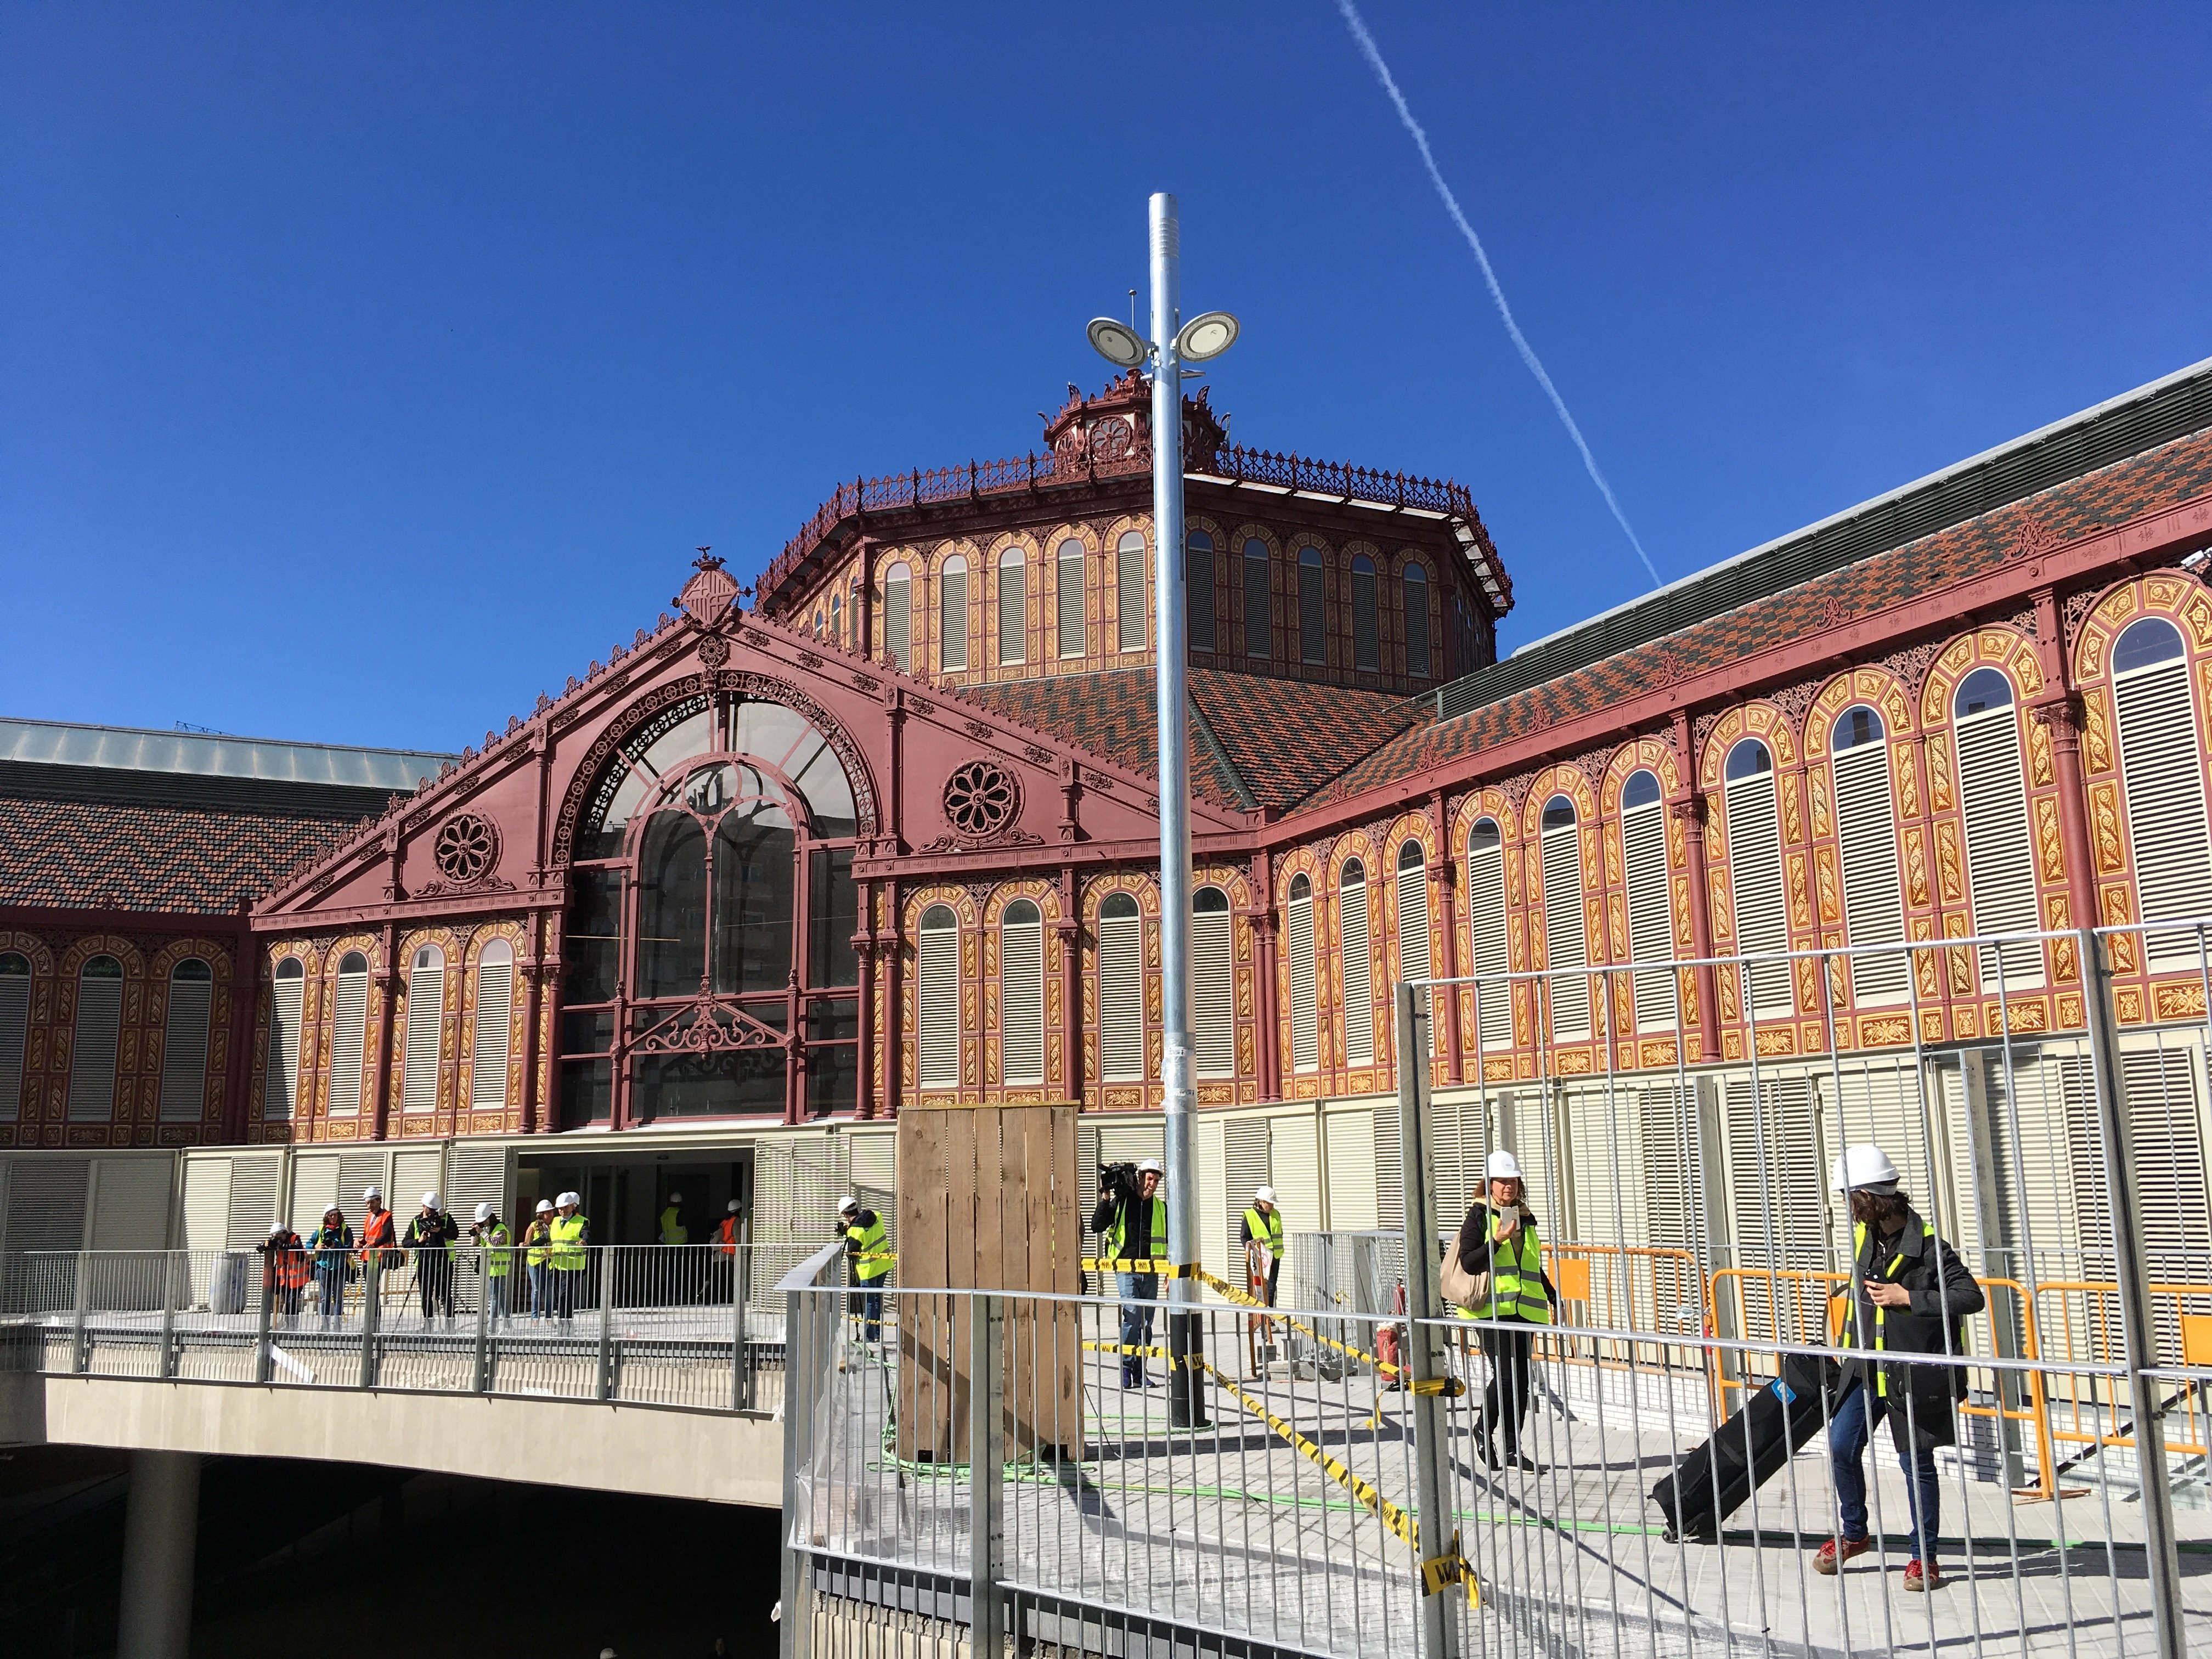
{"x": 1021, "y": 990}
{"x": 1120, "y": 990}
{"x": 95, "y": 1040}
{"x": 2000, "y": 860}
{"x": 1651, "y": 911}
{"x": 184, "y": 1041}
{"x": 1417, "y": 621}
{"x": 349, "y": 1034}
{"x": 1754, "y": 850}
{"x": 1213, "y": 998}
{"x": 938, "y": 998}
{"x": 1866, "y": 838}
{"x": 1259, "y": 600}
{"x": 1413, "y": 896}
{"x": 280, "y": 1090}
{"x": 1305, "y": 1002}
{"x": 2161, "y": 769}
{"x": 492, "y": 1042}
{"x": 952, "y": 615}
{"x": 1313, "y": 630}
{"x": 15, "y": 1031}
{"x": 426, "y": 1011}
{"x": 1130, "y": 632}
{"x": 837, "y": 618}
{"x": 1013, "y": 606}
{"x": 1067, "y": 598}
{"x": 1567, "y": 945}
{"x": 898, "y": 616}
{"x": 1358, "y": 964}
{"x": 1198, "y": 589}
{"x": 1486, "y": 918}
{"x": 1367, "y": 634}
{"x": 818, "y": 624}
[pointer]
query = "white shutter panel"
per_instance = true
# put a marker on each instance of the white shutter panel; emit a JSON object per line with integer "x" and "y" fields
{"x": 1358, "y": 968}
{"x": 1305, "y": 1022}
{"x": 131, "y": 1204}
{"x": 1873, "y": 903}
{"x": 1021, "y": 1009}
{"x": 207, "y": 1202}
{"x": 1121, "y": 998}
{"x": 1754, "y": 847}
{"x": 1606, "y": 1152}
{"x": 1389, "y": 1175}
{"x": 315, "y": 1189}
{"x": 1129, "y": 592}
{"x": 1245, "y": 1154}
{"x": 277, "y": 1102}
{"x": 1213, "y": 1000}
{"x": 1651, "y": 914}
{"x": 45, "y": 1202}
{"x": 494, "y": 1038}
{"x": 2163, "y": 771}
{"x": 254, "y": 1178}
{"x": 1294, "y": 1171}
{"x": 426, "y": 1008}
{"x": 92, "y": 1053}
{"x": 1566, "y": 947}
{"x": 952, "y": 619}
{"x": 2000, "y": 861}
{"x": 939, "y": 1007}
{"x": 477, "y": 1174}
{"x": 1668, "y": 1126}
{"x": 1350, "y": 1206}
{"x": 1068, "y": 600}
{"x": 898, "y": 622}
{"x": 1414, "y": 933}
{"x": 349, "y": 1037}
{"x": 1776, "y": 1206}
{"x": 1013, "y": 612}
{"x": 15, "y": 1032}
{"x": 184, "y": 1050}
{"x": 415, "y": 1171}
{"x": 2166, "y": 1135}
{"x": 1486, "y": 914}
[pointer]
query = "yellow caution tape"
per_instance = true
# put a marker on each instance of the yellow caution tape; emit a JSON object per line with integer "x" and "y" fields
{"x": 1450, "y": 1568}
{"x": 1443, "y": 1385}
{"x": 1155, "y": 1266}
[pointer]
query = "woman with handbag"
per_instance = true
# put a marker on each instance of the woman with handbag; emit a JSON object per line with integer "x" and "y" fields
{"x": 1495, "y": 1273}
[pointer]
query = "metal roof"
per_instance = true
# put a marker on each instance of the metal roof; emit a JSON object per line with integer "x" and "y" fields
{"x": 268, "y": 759}
{"x": 2173, "y": 407}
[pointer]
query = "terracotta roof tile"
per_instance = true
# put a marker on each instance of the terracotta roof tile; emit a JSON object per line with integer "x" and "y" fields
{"x": 128, "y": 856}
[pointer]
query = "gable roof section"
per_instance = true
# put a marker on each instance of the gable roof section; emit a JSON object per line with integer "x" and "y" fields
{"x": 135, "y": 855}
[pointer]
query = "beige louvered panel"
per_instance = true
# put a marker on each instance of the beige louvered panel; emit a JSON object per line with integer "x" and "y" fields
{"x": 1130, "y": 632}
{"x": 477, "y": 1173}
{"x": 347, "y": 1037}
{"x": 2000, "y": 862}
{"x": 2163, "y": 770}
{"x": 898, "y": 622}
{"x": 1357, "y": 962}
{"x": 1486, "y": 910}
{"x": 1366, "y": 646}
{"x": 315, "y": 1189}
{"x": 1198, "y": 590}
{"x": 1566, "y": 947}
{"x": 1651, "y": 919}
{"x": 1352, "y": 1195}
{"x": 1762, "y": 921}
{"x": 1013, "y": 612}
{"x": 277, "y": 1097}
{"x": 415, "y": 1170}
{"x": 1607, "y": 1153}
{"x": 1413, "y": 931}
{"x": 491, "y": 1043}
{"x": 358, "y": 1170}
{"x": 1021, "y": 1011}
{"x": 1213, "y": 994}
{"x": 46, "y": 1196}
{"x": 821, "y": 1180}
{"x": 92, "y": 1055}
{"x": 952, "y": 619}
{"x": 871, "y": 1160}
{"x": 426, "y": 996}
{"x": 1305, "y": 1018}
{"x": 1390, "y": 1171}
{"x": 254, "y": 1182}
{"x": 1068, "y": 600}
{"x": 1213, "y": 1195}
{"x": 1873, "y": 903}
{"x": 939, "y": 996}
{"x": 772, "y": 1186}
{"x": 1121, "y": 998}
{"x": 15, "y": 1031}
{"x": 1778, "y": 1211}
{"x": 2032, "y": 1154}
{"x": 1294, "y": 1171}
{"x": 185, "y": 1050}
{"x": 130, "y": 1203}
{"x": 1245, "y": 1159}
{"x": 1259, "y": 602}
{"x": 1667, "y": 1125}
{"x": 206, "y": 1202}
{"x": 2166, "y": 1139}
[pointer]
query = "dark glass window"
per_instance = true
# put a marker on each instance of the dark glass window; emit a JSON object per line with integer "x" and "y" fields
{"x": 671, "y": 907}
{"x": 588, "y": 1093}
{"x": 2153, "y": 639}
{"x": 1856, "y": 726}
{"x": 835, "y": 913}
{"x": 707, "y": 1085}
{"x": 1747, "y": 760}
{"x": 754, "y": 850}
{"x": 1641, "y": 790}
{"x": 592, "y": 947}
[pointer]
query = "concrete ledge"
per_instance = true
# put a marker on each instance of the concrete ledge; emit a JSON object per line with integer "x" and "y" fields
{"x": 669, "y": 1454}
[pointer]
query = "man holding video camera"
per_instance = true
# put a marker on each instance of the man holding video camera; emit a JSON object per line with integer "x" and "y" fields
{"x": 1133, "y": 1217}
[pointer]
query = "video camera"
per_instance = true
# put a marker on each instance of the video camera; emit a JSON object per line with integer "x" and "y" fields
{"x": 1118, "y": 1181}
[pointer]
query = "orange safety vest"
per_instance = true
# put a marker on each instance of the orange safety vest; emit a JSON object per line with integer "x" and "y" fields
{"x": 287, "y": 1263}
{"x": 726, "y": 1236}
{"x": 376, "y": 1236}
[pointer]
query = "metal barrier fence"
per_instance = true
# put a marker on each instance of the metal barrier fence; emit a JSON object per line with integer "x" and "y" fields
{"x": 697, "y": 1326}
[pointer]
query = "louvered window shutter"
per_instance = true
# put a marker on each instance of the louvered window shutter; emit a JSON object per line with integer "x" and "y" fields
{"x": 2000, "y": 864}
{"x": 1359, "y": 968}
{"x": 493, "y": 1039}
{"x": 1776, "y": 1214}
{"x": 953, "y": 618}
{"x": 99, "y": 1032}
{"x": 1130, "y": 633}
{"x": 1198, "y": 589}
{"x": 349, "y": 1031}
{"x": 45, "y": 1203}
{"x": 1259, "y": 602}
{"x": 1305, "y": 1018}
{"x": 1485, "y": 915}
{"x": 314, "y": 1189}
{"x": 1650, "y": 918}
{"x": 1121, "y": 996}
{"x": 1413, "y": 924}
{"x": 2163, "y": 772}
{"x": 1417, "y": 621}
{"x": 426, "y": 996}
{"x": 253, "y": 1179}
{"x": 1366, "y": 641}
{"x": 1246, "y": 1149}
{"x": 278, "y": 1102}
{"x": 1212, "y": 1000}
{"x": 1667, "y": 1121}
{"x": 2166, "y": 1135}
{"x": 184, "y": 1049}
{"x": 15, "y": 1033}
{"x": 1013, "y": 608}
{"x": 1021, "y": 1008}
{"x": 1754, "y": 849}
{"x": 939, "y": 1004}
{"x": 898, "y": 620}
{"x": 1069, "y": 598}
{"x": 1873, "y": 904}
{"x": 477, "y": 1174}
{"x": 130, "y": 1203}
{"x": 1312, "y": 632}
{"x": 1566, "y": 947}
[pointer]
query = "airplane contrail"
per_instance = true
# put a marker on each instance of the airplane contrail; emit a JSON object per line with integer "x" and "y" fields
{"x": 1358, "y": 27}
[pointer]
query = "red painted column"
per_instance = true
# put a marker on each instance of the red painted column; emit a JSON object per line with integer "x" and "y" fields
{"x": 245, "y": 1002}
{"x": 1069, "y": 927}
{"x": 1267, "y": 1050}
{"x": 863, "y": 946}
{"x": 1687, "y": 808}
{"x": 388, "y": 986}
{"x": 888, "y": 954}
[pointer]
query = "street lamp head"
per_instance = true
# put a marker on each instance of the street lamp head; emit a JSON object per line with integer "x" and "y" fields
{"x": 1205, "y": 337}
{"x": 1117, "y": 342}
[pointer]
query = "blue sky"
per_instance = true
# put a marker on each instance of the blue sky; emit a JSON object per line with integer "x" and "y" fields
{"x": 365, "y": 370}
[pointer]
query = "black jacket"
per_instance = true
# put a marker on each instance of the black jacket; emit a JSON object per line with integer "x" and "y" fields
{"x": 1944, "y": 1296}
{"x": 428, "y": 1233}
{"x": 1474, "y": 1245}
{"x": 1137, "y": 1243}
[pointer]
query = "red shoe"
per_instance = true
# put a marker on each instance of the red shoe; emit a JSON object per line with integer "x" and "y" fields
{"x": 1923, "y": 1575}
{"x": 1829, "y": 1561}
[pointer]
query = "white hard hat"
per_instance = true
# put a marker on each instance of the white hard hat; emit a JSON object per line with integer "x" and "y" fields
{"x": 543, "y": 1205}
{"x": 676, "y": 1198}
{"x": 483, "y": 1211}
{"x": 733, "y": 1206}
{"x": 1863, "y": 1169}
{"x": 334, "y": 1210}
{"x": 572, "y": 1197}
{"x": 606, "y": 1653}
{"x": 849, "y": 1206}
{"x": 1265, "y": 1195}
{"x": 1151, "y": 1166}
{"x": 277, "y": 1227}
{"x": 429, "y": 1201}
{"x": 1503, "y": 1166}
{"x": 373, "y": 1195}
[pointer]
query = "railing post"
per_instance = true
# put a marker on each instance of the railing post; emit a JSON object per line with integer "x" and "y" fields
{"x": 80, "y": 1352}
{"x": 165, "y": 1362}
{"x": 263, "y": 1362}
{"x": 987, "y": 1461}
{"x": 371, "y": 1274}
{"x": 801, "y": 1369}
{"x": 1425, "y": 1362}
{"x": 483, "y": 1320}
{"x": 739, "y": 1369}
{"x": 606, "y": 1313}
{"x": 2137, "y": 1330}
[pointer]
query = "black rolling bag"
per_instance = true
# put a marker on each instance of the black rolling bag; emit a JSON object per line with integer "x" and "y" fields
{"x": 1708, "y": 1485}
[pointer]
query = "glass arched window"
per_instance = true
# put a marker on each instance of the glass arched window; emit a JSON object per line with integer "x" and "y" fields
{"x": 1993, "y": 799}
{"x": 898, "y": 616}
{"x": 1013, "y": 606}
{"x": 1417, "y": 621}
{"x": 349, "y": 1033}
{"x": 1313, "y": 620}
{"x": 1305, "y": 1001}
{"x": 426, "y": 1011}
{"x": 1213, "y": 994}
{"x": 2162, "y": 771}
{"x": 1198, "y": 589}
{"x": 952, "y": 615}
{"x": 1120, "y": 990}
{"x": 1259, "y": 600}
{"x": 1485, "y": 919}
{"x": 95, "y": 1039}
{"x": 714, "y": 874}
{"x": 938, "y": 992}
{"x": 1068, "y": 596}
{"x": 1356, "y": 961}
{"x": 1866, "y": 843}
{"x": 1566, "y": 944}
{"x": 837, "y": 618}
{"x": 1021, "y": 990}
{"x": 1650, "y": 913}
{"x": 1130, "y": 633}
{"x": 280, "y": 1088}
{"x": 1754, "y": 849}
{"x": 184, "y": 1041}
{"x": 491, "y": 1042}
{"x": 15, "y": 1031}
{"x": 1366, "y": 632}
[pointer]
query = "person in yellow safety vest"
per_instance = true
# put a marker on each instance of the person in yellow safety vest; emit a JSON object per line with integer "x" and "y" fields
{"x": 1499, "y": 1238}
{"x": 676, "y": 1233}
{"x": 571, "y": 1240}
{"x": 1917, "y": 1297}
{"x": 537, "y": 1255}
{"x": 867, "y": 1257}
{"x": 1133, "y": 1217}
{"x": 488, "y": 1234}
{"x": 1263, "y": 1226}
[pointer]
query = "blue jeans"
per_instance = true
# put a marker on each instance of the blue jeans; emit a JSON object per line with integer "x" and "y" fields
{"x": 332, "y": 1281}
{"x": 541, "y": 1290}
{"x": 1137, "y": 1290}
{"x": 496, "y": 1297}
{"x": 1855, "y": 1421}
